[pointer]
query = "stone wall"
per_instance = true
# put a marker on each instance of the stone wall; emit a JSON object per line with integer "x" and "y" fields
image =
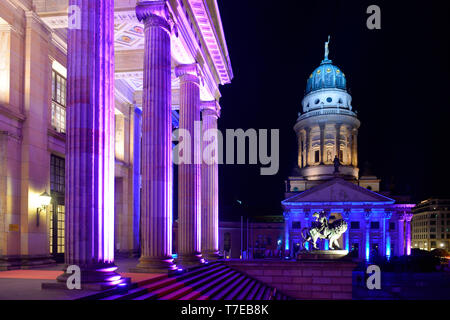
{"x": 302, "y": 279}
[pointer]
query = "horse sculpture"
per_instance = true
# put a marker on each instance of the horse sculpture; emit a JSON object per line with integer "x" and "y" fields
{"x": 324, "y": 230}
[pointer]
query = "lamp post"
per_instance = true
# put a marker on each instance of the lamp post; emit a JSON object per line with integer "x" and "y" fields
{"x": 44, "y": 201}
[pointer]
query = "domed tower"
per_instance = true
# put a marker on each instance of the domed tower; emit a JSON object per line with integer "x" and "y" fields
{"x": 328, "y": 128}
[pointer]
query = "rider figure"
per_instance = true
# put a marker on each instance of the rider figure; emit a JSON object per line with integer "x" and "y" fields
{"x": 323, "y": 222}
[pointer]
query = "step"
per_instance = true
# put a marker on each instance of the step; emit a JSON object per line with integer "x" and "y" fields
{"x": 202, "y": 275}
{"x": 230, "y": 288}
{"x": 268, "y": 295}
{"x": 199, "y": 291}
{"x": 232, "y": 295}
{"x": 211, "y": 293}
{"x": 189, "y": 288}
{"x": 152, "y": 280}
{"x": 142, "y": 289}
{"x": 198, "y": 270}
{"x": 260, "y": 293}
{"x": 252, "y": 293}
{"x": 246, "y": 290}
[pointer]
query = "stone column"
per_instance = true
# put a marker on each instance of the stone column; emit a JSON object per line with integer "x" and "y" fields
{"x": 387, "y": 234}
{"x": 354, "y": 150}
{"x": 347, "y": 215}
{"x": 189, "y": 169}
{"x": 337, "y": 143}
{"x": 322, "y": 142}
{"x": 408, "y": 233}
{"x": 89, "y": 241}
{"x": 300, "y": 149}
{"x": 137, "y": 136}
{"x": 401, "y": 234}
{"x": 156, "y": 212}
{"x": 210, "y": 181}
{"x": 367, "y": 249}
{"x": 307, "y": 144}
{"x": 287, "y": 223}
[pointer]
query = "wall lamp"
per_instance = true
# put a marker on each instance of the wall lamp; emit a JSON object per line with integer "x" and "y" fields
{"x": 44, "y": 201}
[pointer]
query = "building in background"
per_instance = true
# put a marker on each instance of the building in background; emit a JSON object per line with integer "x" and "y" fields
{"x": 431, "y": 224}
{"x": 327, "y": 177}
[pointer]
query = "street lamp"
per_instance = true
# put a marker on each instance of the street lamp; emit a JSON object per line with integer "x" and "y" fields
{"x": 44, "y": 201}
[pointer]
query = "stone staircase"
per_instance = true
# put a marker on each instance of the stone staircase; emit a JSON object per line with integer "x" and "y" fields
{"x": 214, "y": 281}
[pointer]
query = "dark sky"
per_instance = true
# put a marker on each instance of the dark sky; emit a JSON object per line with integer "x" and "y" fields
{"x": 398, "y": 77}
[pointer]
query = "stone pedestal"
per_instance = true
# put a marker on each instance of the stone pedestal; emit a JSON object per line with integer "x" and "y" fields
{"x": 189, "y": 169}
{"x": 156, "y": 213}
{"x": 322, "y": 255}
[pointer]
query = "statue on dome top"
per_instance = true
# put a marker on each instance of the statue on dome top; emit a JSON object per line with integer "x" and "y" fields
{"x": 327, "y": 51}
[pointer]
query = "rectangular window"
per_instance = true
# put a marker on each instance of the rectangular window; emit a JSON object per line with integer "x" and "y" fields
{"x": 432, "y": 222}
{"x": 391, "y": 225}
{"x": 58, "y": 102}
{"x": 354, "y": 225}
{"x": 57, "y": 174}
{"x": 375, "y": 225}
{"x": 341, "y": 155}
{"x": 432, "y": 236}
{"x": 433, "y": 244}
{"x": 296, "y": 225}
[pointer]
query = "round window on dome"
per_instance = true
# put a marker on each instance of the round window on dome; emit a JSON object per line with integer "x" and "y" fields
{"x": 317, "y": 101}
{"x": 329, "y": 99}
{"x": 318, "y": 71}
{"x": 340, "y": 101}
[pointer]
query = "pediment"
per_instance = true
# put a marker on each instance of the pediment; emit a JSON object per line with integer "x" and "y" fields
{"x": 338, "y": 190}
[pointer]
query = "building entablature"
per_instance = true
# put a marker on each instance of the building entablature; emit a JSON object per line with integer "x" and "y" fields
{"x": 327, "y": 116}
{"x": 196, "y": 35}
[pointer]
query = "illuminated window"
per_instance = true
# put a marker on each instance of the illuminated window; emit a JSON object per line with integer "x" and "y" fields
{"x": 58, "y": 102}
{"x": 57, "y": 174}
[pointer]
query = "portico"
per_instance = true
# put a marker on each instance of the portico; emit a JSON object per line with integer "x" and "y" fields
{"x": 134, "y": 72}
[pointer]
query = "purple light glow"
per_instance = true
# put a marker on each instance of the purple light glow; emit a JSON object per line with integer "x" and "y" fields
{"x": 111, "y": 269}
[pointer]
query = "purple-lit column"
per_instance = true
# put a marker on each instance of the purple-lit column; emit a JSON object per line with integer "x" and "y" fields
{"x": 401, "y": 234}
{"x": 189, "y": 172}
{"x": 89, "y": 198}
{"x": 156, "y": 212}
{"x": 137, "y": 136}
{"x": 210, "y": 181}
{"x": 408, "y": 233}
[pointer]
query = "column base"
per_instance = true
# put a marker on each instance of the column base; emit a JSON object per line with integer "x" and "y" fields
{"x": 190, "y": 260}
{"x": 154, "y": 265}
{"x": 102, "y": 273}
{"x": 92, "y": 277}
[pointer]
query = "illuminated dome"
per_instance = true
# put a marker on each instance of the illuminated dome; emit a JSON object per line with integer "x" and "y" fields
{"x": 326, "y": 76}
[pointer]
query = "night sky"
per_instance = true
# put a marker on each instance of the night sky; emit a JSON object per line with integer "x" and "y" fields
{"x": 398, "y": 77}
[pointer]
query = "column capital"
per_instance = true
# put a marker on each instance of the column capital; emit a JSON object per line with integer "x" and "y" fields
{"x": 188, "y": 72}
{"x": 153, "y": 14}
{"x": 210, "y": 108}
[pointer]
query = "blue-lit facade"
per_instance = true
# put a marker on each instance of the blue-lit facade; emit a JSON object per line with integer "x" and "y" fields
{"x": 327, "y": 177}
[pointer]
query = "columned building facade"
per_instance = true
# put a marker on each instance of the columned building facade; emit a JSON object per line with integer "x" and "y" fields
{"x": 91, "y": 93}
{"x": 328, "y": 176}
